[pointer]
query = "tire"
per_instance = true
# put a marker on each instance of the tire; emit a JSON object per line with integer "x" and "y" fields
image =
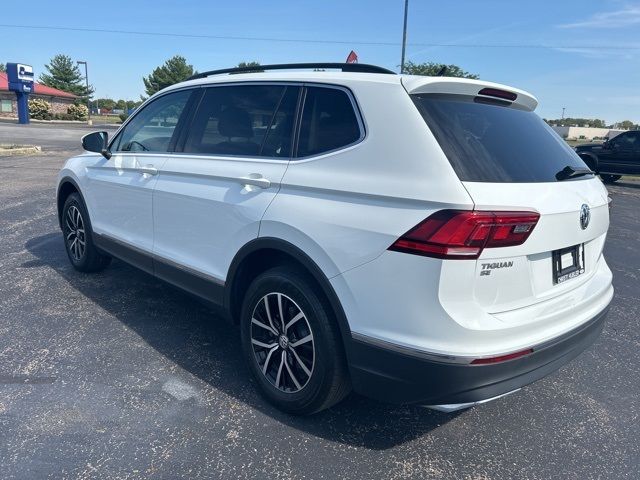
{"x": 304, "y": 372}
{"x": 78, "y": 237}
{"x": 589, "y": 161}
{"x": 606, "y": 178}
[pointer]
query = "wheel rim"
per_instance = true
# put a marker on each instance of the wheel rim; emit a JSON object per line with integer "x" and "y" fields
{"x": 74, "y": 233}
{"x": 282, "y": 342}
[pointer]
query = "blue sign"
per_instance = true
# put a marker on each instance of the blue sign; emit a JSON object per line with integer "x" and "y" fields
{"x": 20, "y": 78}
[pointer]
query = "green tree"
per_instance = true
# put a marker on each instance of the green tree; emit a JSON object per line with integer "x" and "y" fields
{"x": 107, "y": 103}
{"x": 577, "y": 122}
{"x": 174, "y": 70}
{"x": 431, "y": 69}
{"x": 627, "y": 125}
{"x": 3, "y": 67}
{"x": 250, "y": 64}
{"x": 121, "y": 105}
{"x": 65, "y": 75}
{"x": 133, "y": 104}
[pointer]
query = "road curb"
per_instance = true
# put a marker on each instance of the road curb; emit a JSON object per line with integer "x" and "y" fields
{"x": 11, "y": 150}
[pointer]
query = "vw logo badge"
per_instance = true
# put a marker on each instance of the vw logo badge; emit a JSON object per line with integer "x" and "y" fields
{"x": 585, "y": 216}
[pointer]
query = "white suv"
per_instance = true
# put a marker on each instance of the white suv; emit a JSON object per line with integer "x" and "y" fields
{"x": 422, "y": 240}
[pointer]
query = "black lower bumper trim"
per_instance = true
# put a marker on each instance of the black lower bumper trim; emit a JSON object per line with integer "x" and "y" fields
{"x": 390, "y": 376}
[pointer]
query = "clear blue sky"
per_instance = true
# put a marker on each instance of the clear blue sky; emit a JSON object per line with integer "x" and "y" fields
{"x": 602, "y": 83}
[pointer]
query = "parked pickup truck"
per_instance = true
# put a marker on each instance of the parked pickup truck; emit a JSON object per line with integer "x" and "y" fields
{"x": 615, "y": 157}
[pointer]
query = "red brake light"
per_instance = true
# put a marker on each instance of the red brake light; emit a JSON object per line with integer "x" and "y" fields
{"x": 459, "y": 234}
{"x": 501, "y": 358}
{"x": 494, "y": 92}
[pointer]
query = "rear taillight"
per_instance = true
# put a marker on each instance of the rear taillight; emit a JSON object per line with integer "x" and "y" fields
{"x": 459, "y": 234}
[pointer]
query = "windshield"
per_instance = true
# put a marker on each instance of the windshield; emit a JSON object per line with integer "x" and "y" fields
{"x": 490, "y": 142}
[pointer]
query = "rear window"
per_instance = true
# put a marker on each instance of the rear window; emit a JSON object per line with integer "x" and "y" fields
{"x": 487, "y": 142}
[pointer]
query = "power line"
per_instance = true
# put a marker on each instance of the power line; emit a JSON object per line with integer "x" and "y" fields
{"x": 333, "y": 42}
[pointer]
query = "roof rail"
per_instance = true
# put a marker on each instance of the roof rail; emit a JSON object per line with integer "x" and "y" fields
{"x": 345, "y": 67}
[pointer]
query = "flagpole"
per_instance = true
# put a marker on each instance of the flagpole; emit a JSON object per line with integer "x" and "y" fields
{"x": 404, "y": 35}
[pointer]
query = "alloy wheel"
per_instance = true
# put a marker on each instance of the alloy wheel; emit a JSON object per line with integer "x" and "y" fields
{"x": 74, "y": 233}
{"x": 282, "y": 342}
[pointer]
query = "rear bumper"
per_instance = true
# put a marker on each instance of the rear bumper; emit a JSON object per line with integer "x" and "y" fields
{"x": 396, "y": 375}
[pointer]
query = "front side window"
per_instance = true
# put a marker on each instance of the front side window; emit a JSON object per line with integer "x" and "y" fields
{"x": 328, "y": 122}
{"x": 153, "y": 128}
{"x": 244, "y": 120}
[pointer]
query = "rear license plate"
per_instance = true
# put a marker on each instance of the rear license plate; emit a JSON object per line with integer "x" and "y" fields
{"x": 568, "y": 263}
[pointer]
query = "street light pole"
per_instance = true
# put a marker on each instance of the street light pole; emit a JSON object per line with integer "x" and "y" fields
{"x": 404, "y": 35}
{"x": 86, "y": 78}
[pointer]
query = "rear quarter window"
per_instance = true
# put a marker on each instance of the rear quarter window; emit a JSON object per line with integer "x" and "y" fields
{"x": 328, "y": 121}
{"x": 493, "y": 142}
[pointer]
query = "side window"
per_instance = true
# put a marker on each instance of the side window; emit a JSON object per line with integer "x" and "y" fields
{"x": 246, "y": 120}
{"x": 635, "y": 141}
{"x": 152, "y": 129}
{"x": 623, "y": 141}
{"x": 328, "y": 121}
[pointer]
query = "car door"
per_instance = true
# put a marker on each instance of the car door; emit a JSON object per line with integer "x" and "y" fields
{"x": 617, "y": 154}
{"x": 120, "y": 188}
{"x": 211, "y": 196}
{"x": 633, "y": 163}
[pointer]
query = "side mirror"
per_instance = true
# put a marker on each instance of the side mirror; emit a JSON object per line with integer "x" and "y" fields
{"x": 97, "y": 142}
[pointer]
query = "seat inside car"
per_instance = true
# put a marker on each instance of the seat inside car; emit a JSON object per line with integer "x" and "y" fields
{"x": 235, "y": 124}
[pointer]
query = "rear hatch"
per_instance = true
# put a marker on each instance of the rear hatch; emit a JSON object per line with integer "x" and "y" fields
{"x": 509, "y": 160}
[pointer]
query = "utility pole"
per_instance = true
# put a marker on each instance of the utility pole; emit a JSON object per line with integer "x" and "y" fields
{"x": 404, "y": 35}
{"x": 86, "y": 78}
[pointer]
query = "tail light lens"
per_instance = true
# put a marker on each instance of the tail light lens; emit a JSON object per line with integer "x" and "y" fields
{"x": 460, "y": 234}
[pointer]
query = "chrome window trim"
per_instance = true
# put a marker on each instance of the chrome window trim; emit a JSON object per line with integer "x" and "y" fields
{"x": 290, "y": 158}
{"x": 356, "y": 111}
{"x": 137, "y": 111}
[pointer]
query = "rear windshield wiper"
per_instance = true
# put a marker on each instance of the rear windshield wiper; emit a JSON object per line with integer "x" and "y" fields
{"x": 571, "y": 172}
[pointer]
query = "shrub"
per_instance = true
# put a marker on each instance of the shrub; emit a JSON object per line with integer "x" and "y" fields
{"x": 63, "y": 116}
{"x": 123, "y": 116}
{"x": 39, "y": 109}
{"x": 78, "y": 112}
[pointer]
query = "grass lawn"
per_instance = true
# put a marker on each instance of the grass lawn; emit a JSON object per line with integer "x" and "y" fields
{"x": 106, "y": 119}
{"x": 575, "y": 143}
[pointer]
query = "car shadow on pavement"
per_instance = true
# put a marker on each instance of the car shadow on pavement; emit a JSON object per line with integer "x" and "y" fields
{"x": 189, "y": 334}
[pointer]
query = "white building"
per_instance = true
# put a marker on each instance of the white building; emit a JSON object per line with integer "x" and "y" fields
{"x": 586, "y": 133}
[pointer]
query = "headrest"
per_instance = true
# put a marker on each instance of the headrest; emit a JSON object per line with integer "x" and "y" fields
{"x": 235, "y": 122}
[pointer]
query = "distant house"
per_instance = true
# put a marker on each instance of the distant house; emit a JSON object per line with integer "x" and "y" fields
{"x": 58, "y": 99}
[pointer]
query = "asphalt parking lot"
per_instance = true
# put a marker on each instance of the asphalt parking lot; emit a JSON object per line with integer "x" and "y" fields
{"x": 117, "y": 375}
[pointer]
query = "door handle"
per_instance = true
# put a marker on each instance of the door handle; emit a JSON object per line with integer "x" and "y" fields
{"x": 255, "y": 180}
{"x": 148, "y": 170}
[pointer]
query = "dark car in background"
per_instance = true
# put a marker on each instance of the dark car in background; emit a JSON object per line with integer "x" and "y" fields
{"x": 615, "y": 157}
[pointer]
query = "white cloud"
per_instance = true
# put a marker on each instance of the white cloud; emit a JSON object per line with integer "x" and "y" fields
{"x": 625, "y": 17}
{"x": 598, "y": 52}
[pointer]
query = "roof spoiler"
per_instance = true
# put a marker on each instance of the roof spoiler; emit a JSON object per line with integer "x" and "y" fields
{"x": 465, "y": 86}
